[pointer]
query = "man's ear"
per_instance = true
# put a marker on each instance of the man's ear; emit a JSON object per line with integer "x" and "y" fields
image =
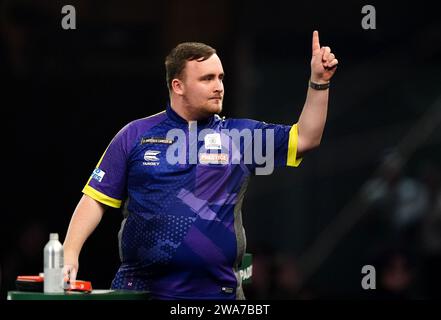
{"x": 177, "y": 86}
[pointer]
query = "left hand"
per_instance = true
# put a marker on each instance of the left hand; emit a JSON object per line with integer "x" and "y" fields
{"x": 323, "y": 61}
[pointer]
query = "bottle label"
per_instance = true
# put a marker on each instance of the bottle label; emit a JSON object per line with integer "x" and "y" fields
{"x": 53, "y": 280}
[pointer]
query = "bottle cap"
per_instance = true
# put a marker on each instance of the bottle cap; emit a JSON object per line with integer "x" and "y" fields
{"x": 53, "y": 236}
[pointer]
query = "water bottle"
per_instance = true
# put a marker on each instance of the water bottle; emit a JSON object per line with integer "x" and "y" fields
{"x": 53, "y": 265}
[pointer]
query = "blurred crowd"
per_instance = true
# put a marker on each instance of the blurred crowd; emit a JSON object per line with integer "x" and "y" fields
{"x": 403, "y": 224}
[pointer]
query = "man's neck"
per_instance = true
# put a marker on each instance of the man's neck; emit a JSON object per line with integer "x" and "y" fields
{"x": 184, "y": 111}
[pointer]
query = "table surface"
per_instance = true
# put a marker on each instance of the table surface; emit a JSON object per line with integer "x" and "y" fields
{"x": 245, "y": 273}
{"x": 94, "y": 295}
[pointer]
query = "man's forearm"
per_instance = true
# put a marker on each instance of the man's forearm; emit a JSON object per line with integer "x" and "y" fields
{"x": 313, "y": 118}
{"x": 85, "y": 219}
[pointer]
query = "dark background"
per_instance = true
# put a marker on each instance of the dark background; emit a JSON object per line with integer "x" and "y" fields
{"x": 66, "y": 93}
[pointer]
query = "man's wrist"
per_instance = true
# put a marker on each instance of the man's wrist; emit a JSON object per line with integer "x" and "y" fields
{"x": 70, "y": 253}
{"x": 319, "y": 85}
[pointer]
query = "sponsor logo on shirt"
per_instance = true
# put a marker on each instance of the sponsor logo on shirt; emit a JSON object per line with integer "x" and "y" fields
{"x": 213, "y": 158}
{"x": 98, "y": 174}
{"x": 156, "y": 140}
{"x": 213, "y": 141}
{"x": 150, "y": 157}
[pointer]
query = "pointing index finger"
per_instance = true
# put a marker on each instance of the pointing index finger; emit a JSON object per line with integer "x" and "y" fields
{"x": 315, "y": 43}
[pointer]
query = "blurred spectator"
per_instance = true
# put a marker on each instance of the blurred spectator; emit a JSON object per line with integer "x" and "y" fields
{"x": 395, "y": 276}
{"x": 399, "y": 201}
{"x": 286, "y": 277}
{"x": 276, "y": 276}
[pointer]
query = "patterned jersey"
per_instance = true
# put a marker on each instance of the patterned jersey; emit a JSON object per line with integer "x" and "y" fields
{"x": 181, "y": 185}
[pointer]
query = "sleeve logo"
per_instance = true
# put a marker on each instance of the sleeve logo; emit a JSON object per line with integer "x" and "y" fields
{"x": 98, "y": 174}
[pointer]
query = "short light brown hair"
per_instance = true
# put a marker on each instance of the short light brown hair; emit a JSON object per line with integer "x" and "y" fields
{"x": 178, "y": 57}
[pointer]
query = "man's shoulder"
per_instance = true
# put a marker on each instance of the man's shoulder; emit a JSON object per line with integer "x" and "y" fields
{"x": 136, "y": 128}
{"x": 148, "y": 121}
{"x": 143, "y": 124}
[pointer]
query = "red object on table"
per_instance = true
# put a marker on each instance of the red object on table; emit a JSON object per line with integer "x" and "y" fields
{"x": 78, "y": 285}
{"x": 35, "y": 283}
{"x": 31, "y": 278}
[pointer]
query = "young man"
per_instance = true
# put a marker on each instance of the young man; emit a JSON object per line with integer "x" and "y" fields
{"x": 182, "y": 175}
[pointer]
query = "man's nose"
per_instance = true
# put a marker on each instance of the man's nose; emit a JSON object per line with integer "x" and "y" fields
{"x": 219, "y": 86}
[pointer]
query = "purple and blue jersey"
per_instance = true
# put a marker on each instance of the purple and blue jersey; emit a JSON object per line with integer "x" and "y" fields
{"x": 182, "y": 235}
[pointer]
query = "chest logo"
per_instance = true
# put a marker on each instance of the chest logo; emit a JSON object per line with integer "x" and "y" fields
{"x": 213, "y": 141}
{"x": 150, "y": 156}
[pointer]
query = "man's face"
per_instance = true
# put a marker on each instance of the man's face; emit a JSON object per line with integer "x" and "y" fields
{"x": 203, "y": 89}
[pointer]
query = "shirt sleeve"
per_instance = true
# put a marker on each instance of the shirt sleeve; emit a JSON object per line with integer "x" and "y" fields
{"x": 274, "y": 143}
{"x": 107, "y": 184}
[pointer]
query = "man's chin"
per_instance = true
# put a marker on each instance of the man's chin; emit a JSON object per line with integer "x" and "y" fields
{"x": 218, "y": 107}
{"x": 214, "y": 108}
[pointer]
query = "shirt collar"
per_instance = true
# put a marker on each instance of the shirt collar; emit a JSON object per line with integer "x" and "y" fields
{"x": 177, "y": 118}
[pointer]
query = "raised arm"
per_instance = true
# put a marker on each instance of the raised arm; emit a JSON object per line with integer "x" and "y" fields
{"x": 313, "y": 117}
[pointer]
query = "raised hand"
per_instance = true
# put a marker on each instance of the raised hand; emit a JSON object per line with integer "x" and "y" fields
{"x": 323, "y": 61}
